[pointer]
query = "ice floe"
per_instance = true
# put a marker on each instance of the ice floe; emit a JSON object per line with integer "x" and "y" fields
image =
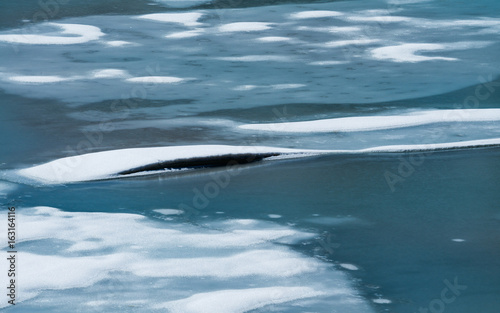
{"x": 119, "y": 43}
{"x": 274, "y": 39}
{"x": 169, "y": 211}
{"x": 274, "y": 216}
{"x": 109, "y": 73}
{"x": 315, "y": 14}
{"x": 407, "y": 52}
{"x": 69, "y": 34}
{"x": 40, "y": 79}
{"x": 244, "y": 27}
{"x": 348, "y": 266}
{"x": 156, "y": 79}
{"x": 186, "y": 19}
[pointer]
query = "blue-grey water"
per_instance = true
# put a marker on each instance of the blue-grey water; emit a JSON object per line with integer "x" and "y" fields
{"x": 348, "y": 232}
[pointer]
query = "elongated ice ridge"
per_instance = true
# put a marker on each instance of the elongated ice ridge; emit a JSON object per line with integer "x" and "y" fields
{"x": 143, "y": 161}
{"x": 370, "y": 123}
{"x": 117, "y": 163}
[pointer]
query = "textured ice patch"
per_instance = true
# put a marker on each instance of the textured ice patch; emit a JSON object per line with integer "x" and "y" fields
{"x": 6, "y": 189}
{"x": 315, "y": 14}
{"x": 236, "y": 235}
{"x": 69, "y": 34}
{"x": 57, "y": 272}
{"x": 186, "y": 19}
{"x": 83, "y": 256}
{"x": 269, "y": 263}
{"x": 381, "y": 301}
{"x": 244, "y": 27}
{"x": 238, "y": 301}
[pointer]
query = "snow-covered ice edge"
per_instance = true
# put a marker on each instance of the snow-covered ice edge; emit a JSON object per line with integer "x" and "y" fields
{"x": 144, "y": 161}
